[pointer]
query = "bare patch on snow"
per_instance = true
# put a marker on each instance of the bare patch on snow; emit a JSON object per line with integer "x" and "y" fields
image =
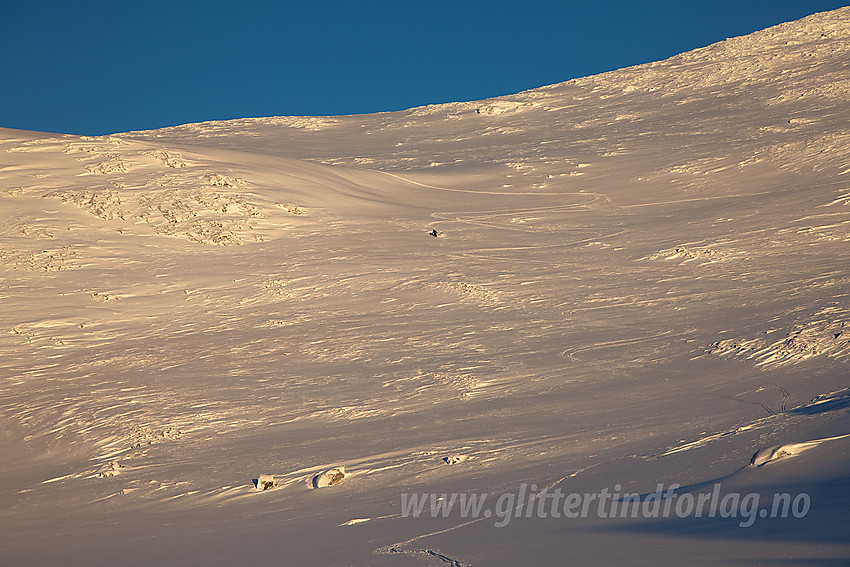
{"x": 499, "y": 107}
{"x": 330, "y": 477}
{"x": 688, "y": 253}
{"x": 469, "y": 291}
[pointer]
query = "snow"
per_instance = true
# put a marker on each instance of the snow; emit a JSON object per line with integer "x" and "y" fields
{"x": 772, "y": 454}
{"x": 641, "y": 277}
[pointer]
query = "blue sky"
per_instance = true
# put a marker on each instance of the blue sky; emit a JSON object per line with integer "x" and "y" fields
{"x": 96, "y": 67}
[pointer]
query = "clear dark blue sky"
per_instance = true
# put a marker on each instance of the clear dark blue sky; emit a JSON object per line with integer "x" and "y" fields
{"x": 102, "y": 66}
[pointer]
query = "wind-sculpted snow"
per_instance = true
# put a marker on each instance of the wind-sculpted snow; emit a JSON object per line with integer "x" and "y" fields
{"x": 130, "y": 186}
{"x": 619, "y": 280}
{"x": 826, "y": 334}
{"x": 770, "y": 455}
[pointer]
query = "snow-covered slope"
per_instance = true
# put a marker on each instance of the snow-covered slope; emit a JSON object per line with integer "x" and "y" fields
{"x": 639, "y": 277}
